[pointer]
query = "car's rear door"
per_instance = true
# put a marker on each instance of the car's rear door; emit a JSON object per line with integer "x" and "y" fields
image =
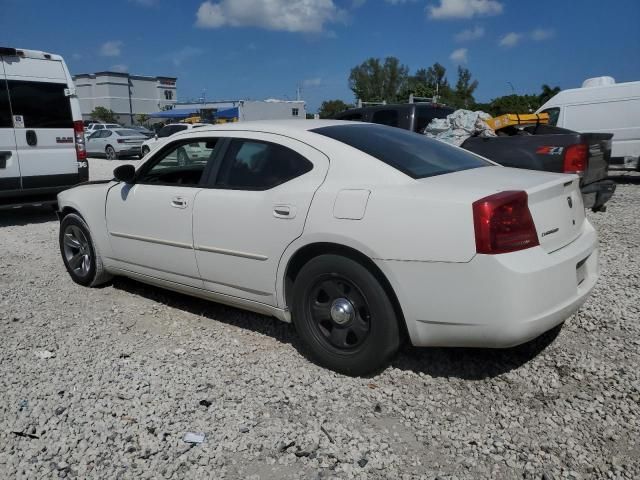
{"x": 150, "y": 222}
{"x": 254, "y": 208}
{"x": 43, "y": 120}
{"x": 9, "y": 164}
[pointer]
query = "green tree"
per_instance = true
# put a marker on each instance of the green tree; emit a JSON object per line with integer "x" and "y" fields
{"x": 547, "y": 94}
{"x": 103, "y": 114}
{"x": 427, "y": 82}
{"x": 142, "y": 118}
{"x": 511, "y": 104}
{"x": 462, "y": 95}
{"x": 329, "y": 108}
{"x": 374, "y": 81}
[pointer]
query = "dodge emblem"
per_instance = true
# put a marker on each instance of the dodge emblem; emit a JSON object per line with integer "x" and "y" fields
{"x": 570, "y": 202}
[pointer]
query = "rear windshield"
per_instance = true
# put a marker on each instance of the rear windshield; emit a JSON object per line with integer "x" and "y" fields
{"x": 411, "y": 153}
{"x": 127, "y": 133}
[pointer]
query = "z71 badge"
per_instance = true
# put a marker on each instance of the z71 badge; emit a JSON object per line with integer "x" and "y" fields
{"x": 549, "y": 150}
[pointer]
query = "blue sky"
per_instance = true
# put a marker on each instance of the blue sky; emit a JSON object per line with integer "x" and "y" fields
{"x": 264, "y": 48}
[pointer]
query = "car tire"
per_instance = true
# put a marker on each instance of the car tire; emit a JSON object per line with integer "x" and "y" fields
{"x": 79, "y": 253}
{"x": 145, "y": 151}
{"x": 110, "y": 153}
{"x": 344, "y": 316}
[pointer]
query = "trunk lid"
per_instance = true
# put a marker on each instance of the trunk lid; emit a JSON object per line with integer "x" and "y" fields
{"x": 554, "y": 199}
{"x": 557, "y": 211}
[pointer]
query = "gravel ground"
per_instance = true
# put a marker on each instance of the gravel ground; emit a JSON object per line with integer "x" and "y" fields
{"x": 104, "y": 383}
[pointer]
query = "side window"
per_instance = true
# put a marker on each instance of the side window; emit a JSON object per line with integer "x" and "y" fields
{"x": 424, "y": 116}
{"x": 107, "y": 133}
{"x": 5, "y": 112}
{"x": 386, "y": 117}
{"x": 256, "y": 165}
{"x": 181, "y": 164}
{"x": 42, "y": 104}
{"x": 554, "y": 113}
{"x": 355, "y": 117}
{"x": 98, "y": 127}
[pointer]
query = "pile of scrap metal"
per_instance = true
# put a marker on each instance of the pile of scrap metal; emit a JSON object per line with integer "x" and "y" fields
{"x": 462, "y": 124}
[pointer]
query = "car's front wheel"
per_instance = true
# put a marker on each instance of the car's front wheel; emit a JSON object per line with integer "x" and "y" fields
{"x": 79, "y": 254}
{"x": 344, "y": 316}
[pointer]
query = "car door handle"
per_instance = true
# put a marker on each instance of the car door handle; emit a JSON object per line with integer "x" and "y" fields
{"x": 284, "y": 211}
{"x": 179, "y": 202}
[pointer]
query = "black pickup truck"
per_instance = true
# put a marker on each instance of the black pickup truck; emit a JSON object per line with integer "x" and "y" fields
{"x": 536, "y": 147}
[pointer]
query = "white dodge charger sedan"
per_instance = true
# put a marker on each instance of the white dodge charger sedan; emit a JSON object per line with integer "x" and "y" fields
{"x": 359, "y": 234}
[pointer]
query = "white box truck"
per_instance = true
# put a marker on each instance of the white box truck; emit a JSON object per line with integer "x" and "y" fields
{"x": 604, "y": 106}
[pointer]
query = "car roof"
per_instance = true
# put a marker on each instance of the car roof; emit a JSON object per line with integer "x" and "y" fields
{"x": 274, "y": 126}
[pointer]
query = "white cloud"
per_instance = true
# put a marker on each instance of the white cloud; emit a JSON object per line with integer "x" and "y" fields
{"x": 288, "y": 15}
{"x": 459, "y": 55}
{"x": 470, "y": 34}
{"x": 119, "y": 68}
{"x": 76, "y": 56}
{"x": 111, "y": 48}
{"x": 178, "y": 57}
{"x": 464, "y": 9}
{"x": 312, "y": 82}
{"x": 398, "y": 2}
{"x": 540, "y": 34}
{"x": 511, "y": 39}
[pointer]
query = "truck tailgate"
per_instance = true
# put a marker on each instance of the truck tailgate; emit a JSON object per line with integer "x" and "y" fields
{"x": 599, "y": 156}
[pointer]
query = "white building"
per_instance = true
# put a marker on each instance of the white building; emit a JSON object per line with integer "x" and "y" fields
{"x": 127, "y": 95}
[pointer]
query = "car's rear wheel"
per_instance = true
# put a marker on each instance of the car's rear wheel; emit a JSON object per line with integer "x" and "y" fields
{"x": 344, "y": 316}
{"x": 111, "y": 153}
{"x": 145, "y": 151}
{"x": 79, "y": 254}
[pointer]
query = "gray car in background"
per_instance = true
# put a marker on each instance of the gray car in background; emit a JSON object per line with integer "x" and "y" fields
{"x": 116, "y": 143}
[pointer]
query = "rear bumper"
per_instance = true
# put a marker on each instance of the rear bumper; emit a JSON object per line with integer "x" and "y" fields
{"x": 494, "y": 301}
{"x": 596, "y": 194}
{"x": 130, "y": 150}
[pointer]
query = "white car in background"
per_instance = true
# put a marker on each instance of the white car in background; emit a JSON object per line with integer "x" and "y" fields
{"x": 355, "y": 232}
{"x": 165, "y": 132}
{"x": 115, "y": 143}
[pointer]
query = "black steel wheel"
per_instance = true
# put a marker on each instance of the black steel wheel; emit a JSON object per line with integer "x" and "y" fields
{"x": 344, "y": 315}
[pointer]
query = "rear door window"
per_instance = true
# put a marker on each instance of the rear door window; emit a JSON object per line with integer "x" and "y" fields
{"x": 5, "y": 110}
{"x": 41, "y": 104}
{"x": 257, "y": 165}
{"x": 411, "y": 153}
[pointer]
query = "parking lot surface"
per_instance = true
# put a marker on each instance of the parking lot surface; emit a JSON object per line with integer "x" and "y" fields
{"x": 106, "y": 382}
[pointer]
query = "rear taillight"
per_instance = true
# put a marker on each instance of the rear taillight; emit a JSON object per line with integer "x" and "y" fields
{"x": 503, "y": 223}
{"x": 78, "y": 131}
{"x": 575, "y": 158}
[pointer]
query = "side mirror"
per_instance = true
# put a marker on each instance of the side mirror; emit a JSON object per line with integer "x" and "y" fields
{"x": 125, "y": 173}
{"x": 155, "y": 136}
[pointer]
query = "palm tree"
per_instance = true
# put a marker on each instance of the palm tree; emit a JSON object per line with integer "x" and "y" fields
{"x": 548, "y": 93}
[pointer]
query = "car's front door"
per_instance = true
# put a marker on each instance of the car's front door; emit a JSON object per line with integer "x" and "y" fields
{"x": 150, "y": 221}
{"x": 256, "y": 206}
{"x": 94, "y": 143}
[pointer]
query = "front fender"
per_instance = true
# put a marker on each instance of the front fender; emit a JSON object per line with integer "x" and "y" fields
{"x": 89, "y": 201}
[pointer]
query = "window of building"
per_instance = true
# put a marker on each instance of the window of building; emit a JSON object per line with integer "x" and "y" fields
{"x": 295, "y": 112}
{"x": 168, "y": 95}
{"x": 254, "y": 165}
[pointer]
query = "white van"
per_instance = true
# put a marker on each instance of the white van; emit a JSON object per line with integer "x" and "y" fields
{"x": 42, "y": 149}
{"x": 602, "y": 105}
